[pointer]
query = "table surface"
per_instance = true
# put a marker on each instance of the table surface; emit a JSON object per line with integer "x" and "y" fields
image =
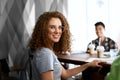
{"x": 82, "y": 58}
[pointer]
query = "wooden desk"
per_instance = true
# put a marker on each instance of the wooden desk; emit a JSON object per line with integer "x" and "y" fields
{"x": 73, "y": 58}
{"x": 81, "y": 58}
{"x": 78, "y": 58}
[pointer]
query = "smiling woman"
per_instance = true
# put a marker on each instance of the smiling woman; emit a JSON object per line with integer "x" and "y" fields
{"x": 55, "y": 29}
{"x": 50, "y": 37}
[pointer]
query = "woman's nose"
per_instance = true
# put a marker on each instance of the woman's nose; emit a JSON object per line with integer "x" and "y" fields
{"x": 58, "y": 29}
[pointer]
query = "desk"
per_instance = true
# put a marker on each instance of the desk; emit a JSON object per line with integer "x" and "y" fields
{"x": 73, "y": 58}
{"x": 82, "y": 58}
{"x": 79, "y": 58}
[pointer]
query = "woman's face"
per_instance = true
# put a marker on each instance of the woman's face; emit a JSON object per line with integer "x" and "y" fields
{"x": 54, "y": 29}
{"x": 100, "y": 31}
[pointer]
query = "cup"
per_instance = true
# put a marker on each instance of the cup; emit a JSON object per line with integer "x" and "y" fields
{"x": 100, "y": 51}
{"x": 114, "y": 52}
{"x": 91, "y": 48}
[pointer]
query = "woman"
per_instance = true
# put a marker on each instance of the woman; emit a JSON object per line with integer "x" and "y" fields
{"x": 51, "y": 36}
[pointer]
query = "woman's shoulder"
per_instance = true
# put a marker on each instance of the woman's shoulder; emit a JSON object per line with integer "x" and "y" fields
{"x": 44, "y": 51}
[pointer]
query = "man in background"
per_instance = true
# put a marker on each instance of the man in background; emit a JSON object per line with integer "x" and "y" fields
{"x": 104, "y": 41}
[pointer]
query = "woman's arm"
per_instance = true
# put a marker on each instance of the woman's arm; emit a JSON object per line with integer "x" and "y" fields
{"x": 71, "y": 72}
{"x": 47, "y": 75}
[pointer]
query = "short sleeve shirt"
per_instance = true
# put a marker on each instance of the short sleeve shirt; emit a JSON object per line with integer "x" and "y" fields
{"x": 45, "y": 60}
{"x": 108, "y": 44}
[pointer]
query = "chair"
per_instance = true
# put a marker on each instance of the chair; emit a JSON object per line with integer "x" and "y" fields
{"x": 5, "y": 71}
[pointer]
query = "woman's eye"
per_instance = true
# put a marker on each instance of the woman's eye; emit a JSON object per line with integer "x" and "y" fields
{"x": 52, "y": 27}
{"x": 61, "y": 28}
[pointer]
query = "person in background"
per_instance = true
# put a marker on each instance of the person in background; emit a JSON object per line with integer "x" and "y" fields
{"x": 114, "y": 73}
{"x": 104, "y": 41}
{"x": 51, "y": 36}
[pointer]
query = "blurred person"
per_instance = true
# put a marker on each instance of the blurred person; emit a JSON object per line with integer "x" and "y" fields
{"x": 104, "y": 41}
{"x": 51, "y": 36}
{"x": 114, "y": 73}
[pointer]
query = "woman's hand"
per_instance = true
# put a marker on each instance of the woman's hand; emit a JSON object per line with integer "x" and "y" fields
{"x": 95, "y": 63}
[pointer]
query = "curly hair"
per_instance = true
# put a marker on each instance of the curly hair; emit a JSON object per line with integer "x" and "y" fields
{"x": 40, "y": 34}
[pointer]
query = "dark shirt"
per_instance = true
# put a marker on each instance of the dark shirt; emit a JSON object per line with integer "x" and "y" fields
{"x": 107, "y": 44}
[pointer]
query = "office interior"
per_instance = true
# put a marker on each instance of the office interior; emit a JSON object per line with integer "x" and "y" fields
{"x": 18, "y": 18}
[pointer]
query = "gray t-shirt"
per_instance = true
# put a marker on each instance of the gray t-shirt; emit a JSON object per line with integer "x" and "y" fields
{"x": 45, "y": 60}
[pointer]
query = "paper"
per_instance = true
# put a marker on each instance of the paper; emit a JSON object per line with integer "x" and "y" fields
{"x": 108, "y": 60}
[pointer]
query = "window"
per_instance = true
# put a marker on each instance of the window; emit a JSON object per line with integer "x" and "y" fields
{"x": 83, "y": 14}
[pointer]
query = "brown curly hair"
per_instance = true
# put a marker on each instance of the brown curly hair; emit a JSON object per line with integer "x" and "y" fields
{"x": 40, "y": 34}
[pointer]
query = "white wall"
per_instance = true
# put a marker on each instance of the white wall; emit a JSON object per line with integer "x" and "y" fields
{"x": 83, "y": 14}
{"x": 17, "y": 20}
